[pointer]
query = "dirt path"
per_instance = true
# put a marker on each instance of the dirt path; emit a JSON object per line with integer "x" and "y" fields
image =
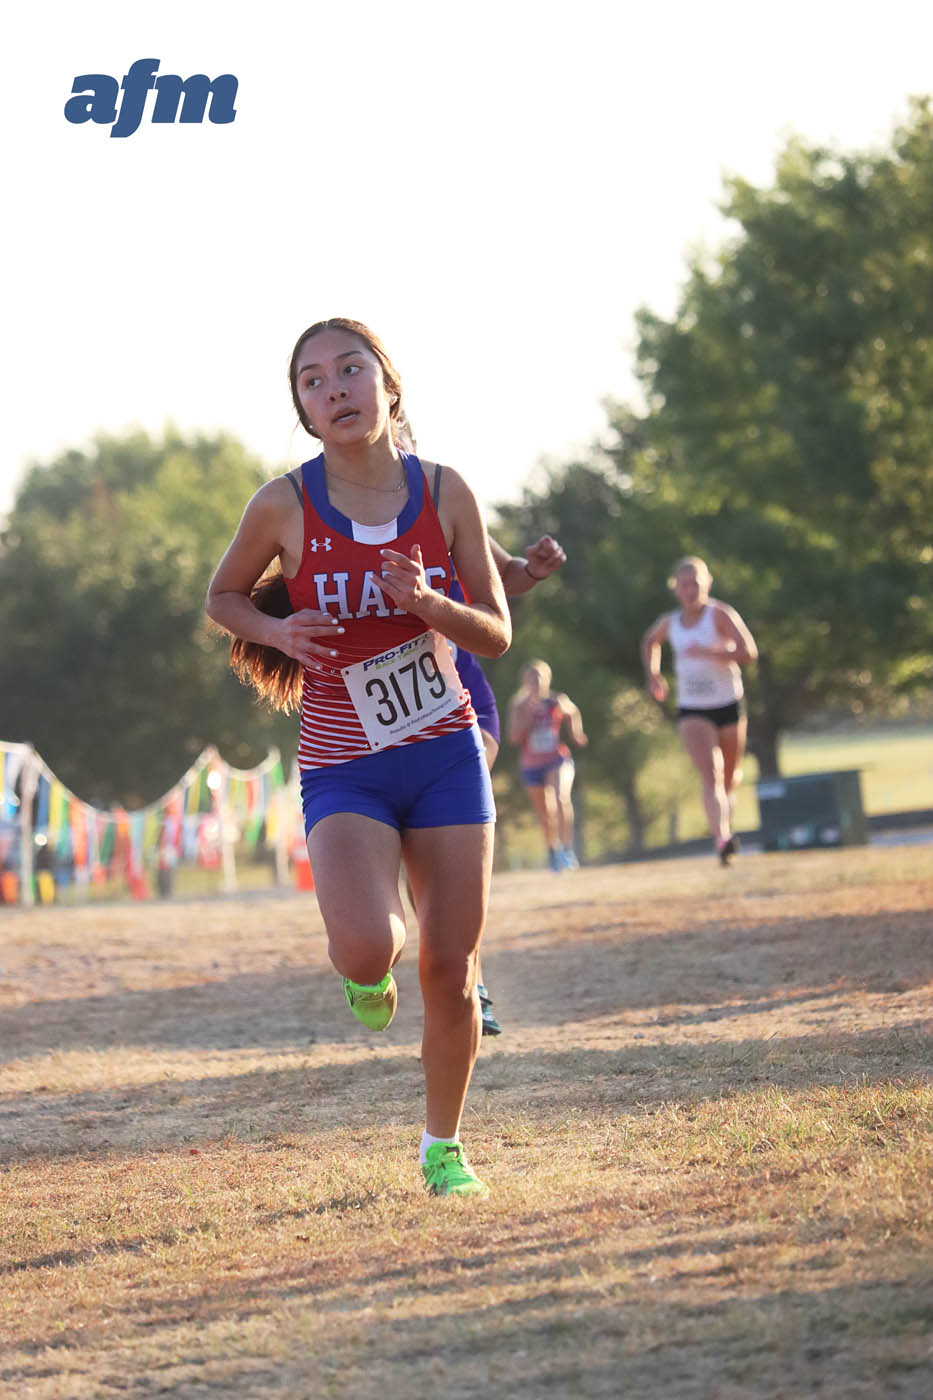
{"x": 707, "y": 1126}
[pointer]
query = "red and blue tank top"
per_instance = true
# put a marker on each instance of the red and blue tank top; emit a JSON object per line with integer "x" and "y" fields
{"x": 542, "y": 744}
{"x": 386, "y": 685}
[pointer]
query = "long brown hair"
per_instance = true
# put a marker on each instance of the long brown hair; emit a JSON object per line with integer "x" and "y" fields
{"x": 274, "y": 676}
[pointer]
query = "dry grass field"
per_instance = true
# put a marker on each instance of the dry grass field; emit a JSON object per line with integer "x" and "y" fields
{"x": 707, "y": 1129}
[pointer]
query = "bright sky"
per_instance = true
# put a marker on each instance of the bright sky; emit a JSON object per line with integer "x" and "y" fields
{"x": 494, "y": 187}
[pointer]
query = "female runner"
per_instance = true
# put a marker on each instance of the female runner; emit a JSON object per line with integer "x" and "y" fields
{"x": 709, "y": 642}
{"x": 536, "y": 718}
{"x": 390, "y": 755}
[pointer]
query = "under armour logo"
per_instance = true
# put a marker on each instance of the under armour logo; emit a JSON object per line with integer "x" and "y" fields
{"x": 319, "y": 544}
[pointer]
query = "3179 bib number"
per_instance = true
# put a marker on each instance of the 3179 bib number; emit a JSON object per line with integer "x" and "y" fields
{"x": 403, "y": 690}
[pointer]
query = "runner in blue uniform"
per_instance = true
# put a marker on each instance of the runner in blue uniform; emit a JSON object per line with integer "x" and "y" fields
{"x": 519, "y": 575}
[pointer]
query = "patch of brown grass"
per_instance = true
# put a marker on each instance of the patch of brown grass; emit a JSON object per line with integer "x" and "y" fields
{"x": 708, "y": 1128}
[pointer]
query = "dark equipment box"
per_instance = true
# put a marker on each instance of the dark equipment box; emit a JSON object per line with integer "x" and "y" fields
{"x": 812, "y": 810}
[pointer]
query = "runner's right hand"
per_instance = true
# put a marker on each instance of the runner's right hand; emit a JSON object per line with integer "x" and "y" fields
{"x": 302, "y": 635}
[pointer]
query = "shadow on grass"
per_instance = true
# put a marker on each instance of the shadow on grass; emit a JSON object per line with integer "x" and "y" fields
{"x": 707, "y": 973}
{"x": 271, "y": 1011}
{"x": 372, "y": 1091}
{"x": 601, "y": 968}
{"x": 551, "y": 1326}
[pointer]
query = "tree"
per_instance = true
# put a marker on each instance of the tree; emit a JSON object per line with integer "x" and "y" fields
{"x": 787, "y": 438}
{"x": 789, "y": 397}
{"x": 587, "y": 622}
{"x": 108, "y": 666}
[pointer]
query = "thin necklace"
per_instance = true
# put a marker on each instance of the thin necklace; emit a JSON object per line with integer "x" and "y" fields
{"x": 387, "y": 490}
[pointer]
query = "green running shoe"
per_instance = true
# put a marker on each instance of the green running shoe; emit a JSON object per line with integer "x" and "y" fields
{"x": 374, "y": 1006}
{"x": 448, "y": 1173}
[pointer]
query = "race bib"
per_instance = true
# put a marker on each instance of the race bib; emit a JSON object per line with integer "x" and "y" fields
{"x": 698, "y": 687}
{"x": 541, "y": 739}
{"x": 403, "y": 690}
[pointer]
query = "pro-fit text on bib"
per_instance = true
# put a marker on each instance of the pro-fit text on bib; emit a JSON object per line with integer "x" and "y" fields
{"x": 403, "y": 690}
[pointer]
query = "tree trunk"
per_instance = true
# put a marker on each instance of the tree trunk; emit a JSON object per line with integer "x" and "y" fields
{"x": 633, "y": 812}
{"x": 764, "y": 728}
{"x": 763, "y": 743}
{"x": 579, "y": 819}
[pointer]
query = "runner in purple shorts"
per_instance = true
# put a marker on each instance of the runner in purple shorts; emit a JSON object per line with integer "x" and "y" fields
{"x": 536, "y": 719}
{"x": 519, "y": 575}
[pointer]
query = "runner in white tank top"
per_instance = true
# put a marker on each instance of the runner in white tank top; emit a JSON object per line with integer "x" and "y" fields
{"x": 709, "y": 642}
{"x": 704, "y": 681}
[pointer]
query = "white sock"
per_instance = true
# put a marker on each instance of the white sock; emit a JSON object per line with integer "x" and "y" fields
{"x": 428, "y": 1140}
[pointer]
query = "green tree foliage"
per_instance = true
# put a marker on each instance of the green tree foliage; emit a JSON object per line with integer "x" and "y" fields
{"x": 787, "y": 438}
{"x": 790, "y": 402}
{"x": 108, "y": 665}
{"x": 587, "y": 621}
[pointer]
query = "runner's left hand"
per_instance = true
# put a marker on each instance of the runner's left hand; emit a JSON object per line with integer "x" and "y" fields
{"x": 403, "y": 578}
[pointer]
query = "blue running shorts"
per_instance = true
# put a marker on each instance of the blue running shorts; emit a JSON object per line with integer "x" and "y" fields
{"x": 437, "y": 782}
{"x": 542, "y": 773}
{"x": 484, "y": 702}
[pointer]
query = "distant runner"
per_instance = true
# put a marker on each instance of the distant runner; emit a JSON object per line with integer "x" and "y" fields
{"x": 709, "y": 642}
